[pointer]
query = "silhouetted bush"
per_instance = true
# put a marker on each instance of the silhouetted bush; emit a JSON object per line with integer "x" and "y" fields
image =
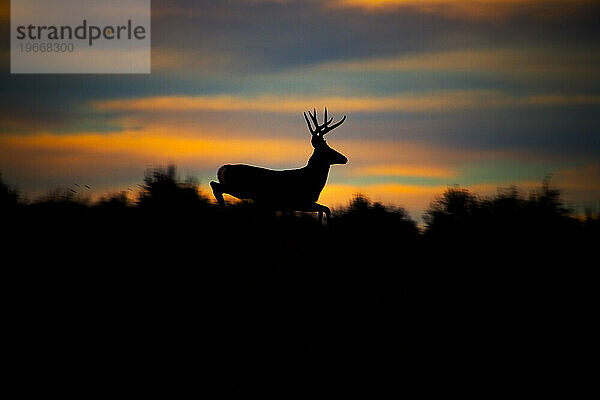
{"x": 503, "y": 219}
{"x": 365, "y": 221}
{"x": 455, "y": 211}
{"x": 62, "y": 198}
{"x": 162, "y": 189}
{"x": 9, "y": 198}
{"x": 114, "y": 201}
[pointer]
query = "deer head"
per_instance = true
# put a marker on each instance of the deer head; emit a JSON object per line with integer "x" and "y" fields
{"x": 324, "y": 153}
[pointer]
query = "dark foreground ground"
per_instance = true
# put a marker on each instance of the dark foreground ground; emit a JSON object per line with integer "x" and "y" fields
{"x": 171, "y": 298}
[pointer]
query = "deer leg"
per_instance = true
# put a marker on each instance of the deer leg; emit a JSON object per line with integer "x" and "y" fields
{"x": 323, "y": 209}
{"x": 327, "y": 214}
{"x": 218, "y": 192}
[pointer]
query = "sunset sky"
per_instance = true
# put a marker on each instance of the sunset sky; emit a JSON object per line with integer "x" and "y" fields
{"x": 477, "y": 93}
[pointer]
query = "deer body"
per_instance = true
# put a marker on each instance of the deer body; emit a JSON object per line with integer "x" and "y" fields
{"x": 293, "y": 189}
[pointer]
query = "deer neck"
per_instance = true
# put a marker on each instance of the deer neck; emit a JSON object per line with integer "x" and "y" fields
{"x": 318, "y": 169}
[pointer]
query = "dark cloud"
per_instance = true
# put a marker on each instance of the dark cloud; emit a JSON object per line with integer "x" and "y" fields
{"x": 263, "y": 39}
{"x": 278, "y": 35}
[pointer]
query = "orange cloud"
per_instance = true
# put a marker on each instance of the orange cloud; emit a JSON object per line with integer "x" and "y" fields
{"x": 473, "y": 9}
{"x": 391, "y": 155}
{"x": 112, "y": 160}
{"x": 150, "y": 145}
{"x": 583, "y": 181}
{"x": 66, "y": 154}
{"x": 438, "y": 101}
{"x": 411, "y": 102}
{"x": 406, "y": 170}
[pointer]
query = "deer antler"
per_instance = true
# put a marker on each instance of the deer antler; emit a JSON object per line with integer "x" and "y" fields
{"x": 321, "y": 130}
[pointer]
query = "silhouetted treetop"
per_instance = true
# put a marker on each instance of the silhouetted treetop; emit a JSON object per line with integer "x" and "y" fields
{"x": 9, "y": 198}
{"x": 162, "y": 189}
{"x": 62, "y": 197}
{"x": 375, "y": 220}
{"x": 114, "y": 201}
{"x": 454, "y": 205}
{"x": 458, "y": 214}
{"x": 547, "y": 201}
{"x": 360, "y": 206}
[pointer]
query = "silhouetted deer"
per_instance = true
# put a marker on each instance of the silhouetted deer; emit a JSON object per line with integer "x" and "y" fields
{"x": 293, "y": 189}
